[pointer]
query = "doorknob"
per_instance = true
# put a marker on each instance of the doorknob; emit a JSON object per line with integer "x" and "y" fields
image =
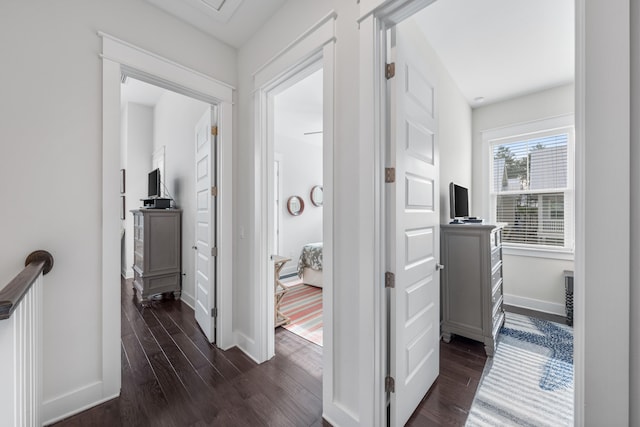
{"x": 194, "y": 248}
{"x": 439, "y": 267}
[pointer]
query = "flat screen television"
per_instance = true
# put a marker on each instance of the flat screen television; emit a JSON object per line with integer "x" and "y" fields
{"x": 458, "y": 201}
{"x": 154, "y": 184}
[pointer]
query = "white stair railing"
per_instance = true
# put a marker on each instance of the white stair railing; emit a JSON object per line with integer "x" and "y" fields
{"x": 21, "y": 344}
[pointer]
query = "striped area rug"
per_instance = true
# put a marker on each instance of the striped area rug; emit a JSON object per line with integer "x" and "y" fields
{"x": 529, "y": 382}
{"x": 303, "y": 305}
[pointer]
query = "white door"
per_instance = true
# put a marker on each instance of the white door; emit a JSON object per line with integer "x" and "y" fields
{"x": 412, "y": 232}
{"x": 205, "y": 232}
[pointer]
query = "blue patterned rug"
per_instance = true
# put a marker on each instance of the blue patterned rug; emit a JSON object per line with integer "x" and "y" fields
{"x": 529, "y": 381}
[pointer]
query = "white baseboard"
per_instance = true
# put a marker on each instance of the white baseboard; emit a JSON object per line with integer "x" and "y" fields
{"x": 535, "y": 304}
{"x": 188, "y": 299}
{"x": 68, "y": 404}
{"x": 246, "y": 344}
{"x": 287, "y": 270}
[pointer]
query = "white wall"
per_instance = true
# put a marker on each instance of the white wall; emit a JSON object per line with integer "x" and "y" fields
{"x": 175, "y": 118}
{"x": 51, "y": 157}
{"x": 535, "y": 283}
{"x": 137, "y": 148}
{"x": 300, "y": 170}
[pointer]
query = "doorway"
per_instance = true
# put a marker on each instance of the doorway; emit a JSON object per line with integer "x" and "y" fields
{"x": 298, "y": 219}
{"x": 375, "y": 103}
{"x": 170, "y": 134}
{"x": 121, "y": 58}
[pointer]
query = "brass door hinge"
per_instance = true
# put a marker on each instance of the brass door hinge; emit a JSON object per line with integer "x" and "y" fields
{"x": 389, "y": 175}
{"x": 390, "y": 70}
{"x": 214, "y": 251}
{"x": 214, "y": 312}
{"x": 214, "y": 191}
{"x": 389, "y": 385}
{"x": 214, "y": 130}
{"x": 389, "y": 280}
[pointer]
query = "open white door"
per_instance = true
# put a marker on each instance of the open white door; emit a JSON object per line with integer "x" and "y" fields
{"x": 412, "y": 232}
{"x": 205, "y": 265}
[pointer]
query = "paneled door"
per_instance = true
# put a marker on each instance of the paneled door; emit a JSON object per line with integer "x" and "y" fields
{"x": 412, "y": 227}
{"x": 205, "y": 233}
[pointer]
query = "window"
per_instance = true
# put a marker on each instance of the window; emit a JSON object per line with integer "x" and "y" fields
{"x": 531, "y": 187}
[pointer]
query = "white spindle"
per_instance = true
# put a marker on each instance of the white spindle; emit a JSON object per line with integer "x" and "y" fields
{"x": 21, "y": 361}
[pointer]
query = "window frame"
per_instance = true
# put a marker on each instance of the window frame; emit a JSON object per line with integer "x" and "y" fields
{"x": 531, "y": 130}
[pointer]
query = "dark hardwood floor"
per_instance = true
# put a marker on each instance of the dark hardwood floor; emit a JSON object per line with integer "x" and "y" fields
{"x": 448, "y": 401}
{"x": 171, "y": 376}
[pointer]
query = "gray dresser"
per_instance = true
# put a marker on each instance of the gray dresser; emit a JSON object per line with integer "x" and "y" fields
{"x": 472, "y": 282}
{"x": 157, "y": 252}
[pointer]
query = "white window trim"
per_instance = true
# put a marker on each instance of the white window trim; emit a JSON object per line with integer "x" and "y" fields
{"x": 518, "y": 131}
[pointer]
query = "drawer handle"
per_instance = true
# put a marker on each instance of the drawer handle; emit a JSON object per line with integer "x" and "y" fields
{"x": 439, "y": 267}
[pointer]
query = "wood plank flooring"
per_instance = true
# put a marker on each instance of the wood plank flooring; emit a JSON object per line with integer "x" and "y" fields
{"x": 171, "y": 376}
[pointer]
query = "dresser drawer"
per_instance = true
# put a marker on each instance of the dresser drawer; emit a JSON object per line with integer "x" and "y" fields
{"x": 496, "y": 239}
{"x": 496, "y": 275}
{"x": 496, "y": 309}
{"x": 496, "y": 294}
{"x": 496, "y": 257}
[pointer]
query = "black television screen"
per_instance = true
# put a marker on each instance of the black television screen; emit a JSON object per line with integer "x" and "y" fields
{"x": 154, "y": 183}
{"x": 458, "y": 201}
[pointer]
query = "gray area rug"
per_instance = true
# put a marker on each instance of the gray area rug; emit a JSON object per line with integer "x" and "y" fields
{"x": 529, "y": 382}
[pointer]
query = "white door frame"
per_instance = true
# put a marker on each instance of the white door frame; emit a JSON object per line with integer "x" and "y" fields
{"x": 288, "y": 79}
{"x": 376, "y": 16}
{"x": 315, "y": 47}
{"x": 120, "y": 57}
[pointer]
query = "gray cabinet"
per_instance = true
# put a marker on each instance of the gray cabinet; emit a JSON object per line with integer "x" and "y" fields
{"x": 472, "y": 282}
{"x": 157, "y": 254}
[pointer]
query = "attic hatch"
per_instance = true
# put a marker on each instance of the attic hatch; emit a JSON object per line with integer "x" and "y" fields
{"x": 219, "y": 10}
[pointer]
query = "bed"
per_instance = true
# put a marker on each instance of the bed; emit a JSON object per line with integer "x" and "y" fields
{"x": 310, "y": 264}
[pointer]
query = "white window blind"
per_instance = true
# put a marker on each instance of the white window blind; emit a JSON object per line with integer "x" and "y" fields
{"x": 531, "y": 188}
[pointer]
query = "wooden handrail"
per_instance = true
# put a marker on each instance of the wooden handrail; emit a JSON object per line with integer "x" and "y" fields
{"x": 10, "y": 296}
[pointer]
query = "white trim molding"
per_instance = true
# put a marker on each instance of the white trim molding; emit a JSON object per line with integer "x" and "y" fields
{"x": 535, "y": 304}
{"x": 312, "y": 50}
{"x": 120, "y": 57}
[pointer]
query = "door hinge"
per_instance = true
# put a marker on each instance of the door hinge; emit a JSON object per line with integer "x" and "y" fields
{"x": 214, "y": 191}
{"x": 389, "y": 280}
{"x": 214, "y": 251}
{"x": 214, "y": 130}
{"x": 390, "y": 70}
{"x": 389, "y": 174}
{"x": 389, "y": 385}
{"x": 214, "y": 312}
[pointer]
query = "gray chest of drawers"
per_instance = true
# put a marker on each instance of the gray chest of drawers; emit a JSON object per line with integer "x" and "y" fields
{"x": 472, "y": 282}
{"x": 157, "y": 252}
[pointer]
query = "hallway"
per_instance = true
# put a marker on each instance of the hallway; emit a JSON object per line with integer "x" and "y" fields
{"x": 171, "y": 376}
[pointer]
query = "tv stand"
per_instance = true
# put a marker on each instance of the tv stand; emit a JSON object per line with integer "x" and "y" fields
{"x": 156, "y": 203}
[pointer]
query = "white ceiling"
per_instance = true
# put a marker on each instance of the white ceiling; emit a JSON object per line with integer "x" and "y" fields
{"x": 140, "y": 93}
{"x": 232, "y": 21}
{"x": 499, "y": 49}
{"x": 298, "y": 110}
{"x": 493, "y": 49}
